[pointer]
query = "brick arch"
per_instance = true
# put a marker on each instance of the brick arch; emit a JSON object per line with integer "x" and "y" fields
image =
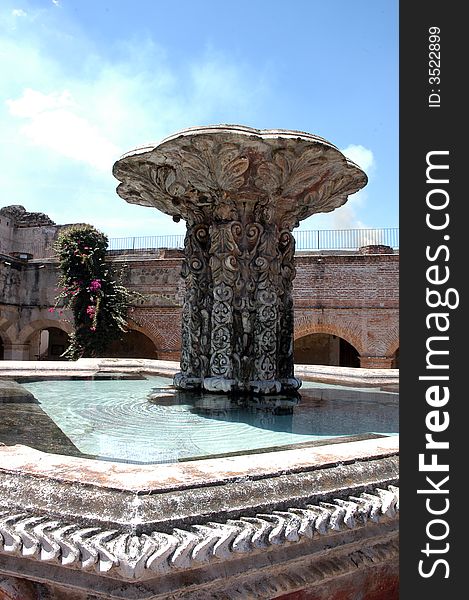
{"x": 306, "y": 326}
{"x": 163, "y": 329}
{"x": 7, "y": 329}
{"x": 155, "y": 339}
{"x": 393, "y": 341}
{"x": 5, "y": 338}
{"x": 27, "y": 331}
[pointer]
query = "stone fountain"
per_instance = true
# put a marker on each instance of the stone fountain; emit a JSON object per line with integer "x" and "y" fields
{"x": 313, "y": 521}
{"x": 241, "y": 192}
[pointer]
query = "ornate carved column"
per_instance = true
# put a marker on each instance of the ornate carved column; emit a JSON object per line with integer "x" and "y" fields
{"x": 241, "y": 192}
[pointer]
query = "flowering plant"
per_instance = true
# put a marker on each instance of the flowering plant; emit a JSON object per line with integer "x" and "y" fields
{"x": 89, "y": 288}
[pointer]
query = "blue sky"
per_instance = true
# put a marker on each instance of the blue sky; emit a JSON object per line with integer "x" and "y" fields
{"x": 83, "y": 81}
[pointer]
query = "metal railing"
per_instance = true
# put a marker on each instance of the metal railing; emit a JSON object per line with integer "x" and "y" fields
{"x": 345, "y": 239}
{"x": 127, "y": 245}
{"x": 318, "y": 239}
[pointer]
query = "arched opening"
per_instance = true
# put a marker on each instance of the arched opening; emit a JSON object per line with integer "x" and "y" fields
{"x": 2, "y": 349}
{"x": 395, "y": 360}
{"x": 134, "y": 344}
{"x": 325, "y": 349}
{"x": 48, "y": 344}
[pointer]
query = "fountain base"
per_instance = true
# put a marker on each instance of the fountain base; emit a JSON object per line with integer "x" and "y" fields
{"x": 232, "y": 386}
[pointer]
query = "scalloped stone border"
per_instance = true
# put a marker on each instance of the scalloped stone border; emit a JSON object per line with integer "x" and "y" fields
{"x": 134, "y": 557}
{"x": 243, "y": 527}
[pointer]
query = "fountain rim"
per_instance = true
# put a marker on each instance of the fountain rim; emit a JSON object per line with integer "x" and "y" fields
{"x": 99, "y": 521}
{"x": 180, "y": 476}
{"x": 134, "y": 528}
{"x": 243, "y": 130}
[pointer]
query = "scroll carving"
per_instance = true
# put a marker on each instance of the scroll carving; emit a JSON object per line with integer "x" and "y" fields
{"x": 196, "y": 326}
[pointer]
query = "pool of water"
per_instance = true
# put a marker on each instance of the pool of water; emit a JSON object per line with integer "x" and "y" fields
{"x": 147, "y": 421}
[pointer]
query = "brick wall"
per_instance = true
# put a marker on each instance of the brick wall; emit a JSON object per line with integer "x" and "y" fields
{"x": 353, "y": 296}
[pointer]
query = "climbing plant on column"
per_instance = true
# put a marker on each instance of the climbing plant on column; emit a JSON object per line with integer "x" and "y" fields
{"x": 93, "y": 292}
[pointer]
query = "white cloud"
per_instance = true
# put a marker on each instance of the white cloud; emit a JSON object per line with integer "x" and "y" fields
{"x": 345, "y": 217}
{"x": 53, "y": 124}
{"x": 18, "y": 12}
{"x": 67, "y": 120}
{"x": 32, "y": 103}
{"x": 348, "y": 215}
{"x": 360, "y": 155}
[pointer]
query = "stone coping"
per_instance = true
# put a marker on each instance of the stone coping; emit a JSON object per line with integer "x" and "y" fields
{"x": 190, "y": 474}
{"x": 205, "y": 520}
{"x": 89, "y": 366}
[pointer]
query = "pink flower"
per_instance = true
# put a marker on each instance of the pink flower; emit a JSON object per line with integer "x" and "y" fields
{"x": 92, "y": 328}
{"x": 95, "y": 285}
{"x": 91, "y": 311}
{"x": 51, "y": 309}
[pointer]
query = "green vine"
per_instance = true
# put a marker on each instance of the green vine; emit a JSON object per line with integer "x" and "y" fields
{"x": 91, "y": 290}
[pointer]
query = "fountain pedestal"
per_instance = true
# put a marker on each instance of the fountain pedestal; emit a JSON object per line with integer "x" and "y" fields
{"x": 241, "y": 192}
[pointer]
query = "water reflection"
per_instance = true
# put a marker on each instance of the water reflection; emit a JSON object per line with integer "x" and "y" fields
{"x": 321, "y": 411}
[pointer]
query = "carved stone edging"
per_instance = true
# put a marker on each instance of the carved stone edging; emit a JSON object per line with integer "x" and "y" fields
{"x": 127, "y": 556}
